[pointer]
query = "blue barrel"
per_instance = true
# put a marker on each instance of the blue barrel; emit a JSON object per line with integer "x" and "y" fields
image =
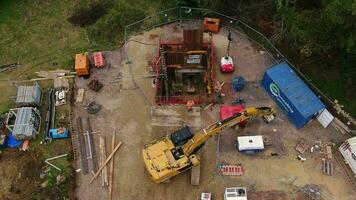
{"x": 238, "y": 83}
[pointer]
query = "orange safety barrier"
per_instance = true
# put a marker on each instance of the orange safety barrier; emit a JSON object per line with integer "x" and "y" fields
{"x": 232, "y": 170}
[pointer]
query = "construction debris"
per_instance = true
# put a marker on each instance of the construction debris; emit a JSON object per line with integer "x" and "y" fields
{"x": 95, "y": 85}
{"x": 301, "y": 158}
{"x": 104, "y": 173}
{"x": 106, "y": 162}
{"x": 60, "y": 179}
{"x": 53, "y": 74}
{"x": 302, "y": 146}
{"x": 60, "y": 82}
{"x": 112, "y": 166}
{"x": 313, "y": 191}
{"x": 81, "y": 144}
{"x": 53, "y": 158}
{"x": 8, "y": 66}
{"x": 61, "y": 98}
{"x": 51, "y": 109}
{"x": 93, "y": 107}
{"x": 91, "y": 143}
{"x": 327, "y": 167}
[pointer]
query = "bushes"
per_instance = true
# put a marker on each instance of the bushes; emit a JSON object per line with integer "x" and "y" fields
{"x": 105, "y": 20}
{"x": 110, "y": 28}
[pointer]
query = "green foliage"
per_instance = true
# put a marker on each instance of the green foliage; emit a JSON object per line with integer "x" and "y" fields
{"x": 110, "y": 28}
{"x": 332, "y": 26}
{"x": 325, "y": 32}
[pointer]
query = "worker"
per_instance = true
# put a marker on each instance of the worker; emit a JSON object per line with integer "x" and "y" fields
{"x": 190, "y": 105}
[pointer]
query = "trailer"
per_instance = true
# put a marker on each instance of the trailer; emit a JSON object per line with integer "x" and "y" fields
{"x": 348, "y": 151}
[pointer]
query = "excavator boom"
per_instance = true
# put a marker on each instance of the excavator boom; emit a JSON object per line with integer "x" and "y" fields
{"x": 200, "y": 137}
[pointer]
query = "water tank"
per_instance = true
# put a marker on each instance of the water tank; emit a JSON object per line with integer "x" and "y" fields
{"x": 238, "y": 83}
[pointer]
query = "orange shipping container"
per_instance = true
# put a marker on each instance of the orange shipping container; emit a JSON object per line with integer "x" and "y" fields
{"x": 81, "y": 64}
{"x": 211, "y": 24}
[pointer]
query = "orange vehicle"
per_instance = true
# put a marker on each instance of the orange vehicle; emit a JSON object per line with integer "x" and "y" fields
{"x": 211, "y": 24}
{"x": 81, "y": 64}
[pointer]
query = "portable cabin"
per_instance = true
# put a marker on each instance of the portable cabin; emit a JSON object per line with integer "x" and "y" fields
{"x": 82, "y": 64}
{"x": 292, "y": 95}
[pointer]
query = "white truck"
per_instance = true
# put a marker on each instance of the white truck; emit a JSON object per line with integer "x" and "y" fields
{"x": 235, "y": 193}
{"x": 348, "y": 151}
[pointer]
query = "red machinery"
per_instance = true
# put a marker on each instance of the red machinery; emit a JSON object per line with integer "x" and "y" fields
{"x": 99, "y": 60}
{"x": 227, "y": 64}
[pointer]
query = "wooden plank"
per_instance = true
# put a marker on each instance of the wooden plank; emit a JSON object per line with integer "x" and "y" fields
{"x": 329, "y": 152}
{"x": 112, "y": 166}
{"x": 101, "y": 147}
{"x": 105, "y": 170}
{"x": 40, "y": 79}
{"x": 195, "y": 172}
{"x": 106, "y": 162}
{"x": 80, "y": 95}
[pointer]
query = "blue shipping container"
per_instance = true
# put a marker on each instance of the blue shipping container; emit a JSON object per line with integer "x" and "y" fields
{"x": 291, "y": 94}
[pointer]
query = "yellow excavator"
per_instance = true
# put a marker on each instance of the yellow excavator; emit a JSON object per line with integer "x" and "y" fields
{"x": 173, "y": 154}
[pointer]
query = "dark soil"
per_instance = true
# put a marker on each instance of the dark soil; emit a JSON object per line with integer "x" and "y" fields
{"x": 20, "y": 177}
{"x": 267, "y": 195}
{"x": 86, "y": 16}
{"x": 20, "y": 173}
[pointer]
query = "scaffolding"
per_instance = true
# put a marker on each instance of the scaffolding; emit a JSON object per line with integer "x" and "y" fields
{"x": 24, "y": 123}
{"x": 29, "y": 95}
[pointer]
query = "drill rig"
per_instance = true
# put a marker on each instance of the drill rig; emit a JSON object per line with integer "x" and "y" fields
{"x": 173, "y": 154}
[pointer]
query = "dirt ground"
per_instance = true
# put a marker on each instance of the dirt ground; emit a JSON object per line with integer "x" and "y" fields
{"x": 127, "y": 109}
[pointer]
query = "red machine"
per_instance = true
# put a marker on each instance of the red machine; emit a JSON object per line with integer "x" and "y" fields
{"x": 99, "y": 60}
{"x": 229, "y": 111}
{"x": 227, "y": 65}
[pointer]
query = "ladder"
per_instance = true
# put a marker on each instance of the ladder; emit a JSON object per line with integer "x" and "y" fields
{"x": 164, "y": 72}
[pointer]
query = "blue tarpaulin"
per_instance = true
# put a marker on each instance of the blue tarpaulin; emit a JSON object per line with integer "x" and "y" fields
{"x": 12, "y": 142}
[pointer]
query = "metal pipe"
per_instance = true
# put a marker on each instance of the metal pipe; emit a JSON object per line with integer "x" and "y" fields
{"x": 57, "y": 168}
{"x": 56, "y": 157}
{"x": 90, "y": 156}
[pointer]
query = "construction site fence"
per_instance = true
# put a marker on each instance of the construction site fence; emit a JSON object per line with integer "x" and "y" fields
{"x": 183, "y": 14}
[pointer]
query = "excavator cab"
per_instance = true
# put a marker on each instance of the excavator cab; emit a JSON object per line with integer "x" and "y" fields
{"x": 181, "y": 136}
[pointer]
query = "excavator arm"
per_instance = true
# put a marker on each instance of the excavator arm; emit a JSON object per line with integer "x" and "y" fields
{"x": 203, "y": 135}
